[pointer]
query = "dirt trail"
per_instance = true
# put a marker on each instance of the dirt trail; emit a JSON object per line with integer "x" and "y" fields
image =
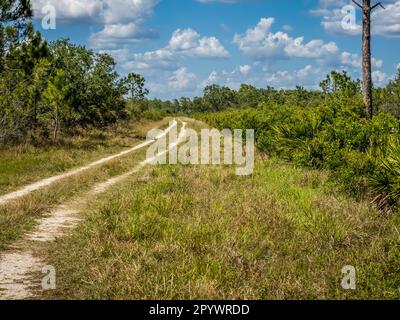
{"x": 21, "y": 266}
{"x": 47, "y": 182}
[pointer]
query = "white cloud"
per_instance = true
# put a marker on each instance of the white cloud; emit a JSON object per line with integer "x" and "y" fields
{"x": 182, "y": 79}
{"x": 122, "y": 20}
{"x": 106, "y": 11}
{"x": 123, "y": 11}
{"x": 114, "y": 35}
{"x": 245, "y": 70}
{"x": 332, "y": 16}
{"x": 182, "y": 44}
{"x": 189, "y": 43}
{"x": 261, "y": 43}
{"x": 172, "y": 84}
{"x": 163, "y": 59}
{"x": 308, "y": 77}
{"x": 380, "y": 78}
{"x": 90, "y": 10}
{"x": 355, "y": 61}
{"x": 163, "y": 67}
{"x": 387, "y": 22}
{"x": 213, "y": 77}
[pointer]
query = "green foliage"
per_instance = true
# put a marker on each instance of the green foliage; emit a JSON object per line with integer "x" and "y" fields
{"x": 153, "y": 115}
{"x": 95, "y": 92}
{"x": 145, "y": 109}
{"x": 388, "y": 99}
{"x": 249, "y": 96}
{"x": 47, "y": 89}
{"x": 21, "y": 81}
{"x": 14, "y": 24}
{"x": 135, "y": 84}
{"x": 385, "y": 181}
{"x": 217, "y": 98}
{"x": 55, "y": 99}
{"x": 333, "y": 134}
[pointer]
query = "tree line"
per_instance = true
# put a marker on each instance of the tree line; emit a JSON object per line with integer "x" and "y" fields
{"x": 217, "y": 98}
{"x": 47, "y": 88}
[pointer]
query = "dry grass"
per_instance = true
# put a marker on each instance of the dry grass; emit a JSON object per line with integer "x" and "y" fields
{"x": 201, "y": 232}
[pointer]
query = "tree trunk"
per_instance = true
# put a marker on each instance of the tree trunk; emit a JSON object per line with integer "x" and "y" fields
{"x": 366, "y": 59}
{"x": 56, "y": 126}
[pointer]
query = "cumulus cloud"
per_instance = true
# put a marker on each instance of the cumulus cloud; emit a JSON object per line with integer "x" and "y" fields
{"x": 182, "y": 44}
{"x": 189, "y": 43}
{"x": 72, "y": 10}
{"x": 261, "y": 43}
{"x": 307, "y": 76}
{"x": 106, "y": 11}
{"x": 122, "y": 20}
{"x": 355, "y": 61}
{"x": 164, "y": 67}
{"x": 182, "y": 79}
{"x": 113, "y": 35}
{"x": 173, "y": 84}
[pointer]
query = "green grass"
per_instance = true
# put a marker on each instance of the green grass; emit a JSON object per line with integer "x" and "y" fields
{"x": 182, "y": 232}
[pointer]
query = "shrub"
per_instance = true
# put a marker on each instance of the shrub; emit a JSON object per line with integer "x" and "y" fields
{"x": 153, "y": 115}
{"x": 360, "y": 152}
{"x": 385, "y": 181}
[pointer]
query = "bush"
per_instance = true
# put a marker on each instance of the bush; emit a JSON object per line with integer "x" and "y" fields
{"x": 153, "y": 115}
{"x": 333, "y": 135}
{"x": 385, "y": 181}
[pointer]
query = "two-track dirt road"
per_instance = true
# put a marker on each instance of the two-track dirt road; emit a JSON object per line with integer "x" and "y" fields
{"x": 21, "y": 265}
{"x": 49, "y": 181}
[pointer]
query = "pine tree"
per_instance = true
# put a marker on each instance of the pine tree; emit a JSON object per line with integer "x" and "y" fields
{"x": 136, "y": 83}
{"x": 367, "y": 9}
{"x": 14, "y": 22}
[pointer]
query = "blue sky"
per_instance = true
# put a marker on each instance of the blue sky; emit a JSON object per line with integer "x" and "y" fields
{"x": 180, "y": 46}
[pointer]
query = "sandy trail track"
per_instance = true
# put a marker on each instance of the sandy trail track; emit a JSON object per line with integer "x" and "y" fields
{"x": 21, "y": 265}
{"x": 47, "y": 182}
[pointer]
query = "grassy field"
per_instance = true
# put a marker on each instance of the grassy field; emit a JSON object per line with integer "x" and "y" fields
{"x": 201, "y": 232}
{"x": 30, "y": 165}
